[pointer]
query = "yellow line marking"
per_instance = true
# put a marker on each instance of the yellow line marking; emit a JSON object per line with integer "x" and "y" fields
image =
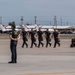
{"x": 49, "y": 73}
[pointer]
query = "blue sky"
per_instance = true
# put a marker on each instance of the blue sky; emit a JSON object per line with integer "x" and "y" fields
{"x": 43, "y": 9}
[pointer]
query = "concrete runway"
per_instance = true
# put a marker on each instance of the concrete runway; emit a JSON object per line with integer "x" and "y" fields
{"x": 38, "y": 61}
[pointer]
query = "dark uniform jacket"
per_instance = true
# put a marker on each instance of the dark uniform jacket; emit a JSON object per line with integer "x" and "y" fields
{"x": 56, "y": 36}
{"x": 24, "y": 36}
{"x": 40, "y": 35}
{"x": 48, "y": 35}
{"x": 14, "y": 34}
{"x": 32, "y": 36}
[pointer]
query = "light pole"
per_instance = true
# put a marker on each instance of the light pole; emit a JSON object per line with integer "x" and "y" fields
{"x": 21, "y": 20}
{"x": 35, "y": 19}
{"x": 61, "y": 21}
{"x": 0, "y": 20}
{"x": 55, "y": 21}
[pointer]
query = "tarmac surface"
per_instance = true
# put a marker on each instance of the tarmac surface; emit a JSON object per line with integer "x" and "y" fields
{"x": 38, "y": 61}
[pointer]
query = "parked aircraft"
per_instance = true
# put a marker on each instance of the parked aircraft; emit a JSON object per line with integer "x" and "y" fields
{"x": 29, "y": 27}
{"x": 36, "y": 27}
{"x": 6, "y": 29}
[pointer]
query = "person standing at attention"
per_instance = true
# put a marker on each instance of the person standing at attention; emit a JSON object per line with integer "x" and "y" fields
{"x": 14, "y": 37}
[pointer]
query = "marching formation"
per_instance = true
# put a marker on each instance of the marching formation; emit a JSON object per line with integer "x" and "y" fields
{"x": 39, "y": 35}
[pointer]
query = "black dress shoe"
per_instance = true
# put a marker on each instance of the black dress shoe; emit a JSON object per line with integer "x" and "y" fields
{"x": 59, "y": 44}
{"x": 54, "y": 47}
{"x": 46, "y": 46}
{"x": 31, "y": 47}
{"x": 11, "y": 62}
{"x": 50, "y": 44}
{"x": 22, "y": 46}
{"x": 38, "y": 46}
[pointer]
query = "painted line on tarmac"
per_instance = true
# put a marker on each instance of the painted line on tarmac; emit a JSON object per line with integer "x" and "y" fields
{"x": 48, "y": 73}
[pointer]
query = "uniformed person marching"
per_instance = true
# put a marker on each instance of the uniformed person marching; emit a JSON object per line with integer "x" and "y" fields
{"x": 33, "y": 38}
{"x": 14, "y": 37}
{"x": 56, "y": 38}
{"x": 40, "y": 38}
{"x": 48, "y": 37}
{"x": 24, "y": 37}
